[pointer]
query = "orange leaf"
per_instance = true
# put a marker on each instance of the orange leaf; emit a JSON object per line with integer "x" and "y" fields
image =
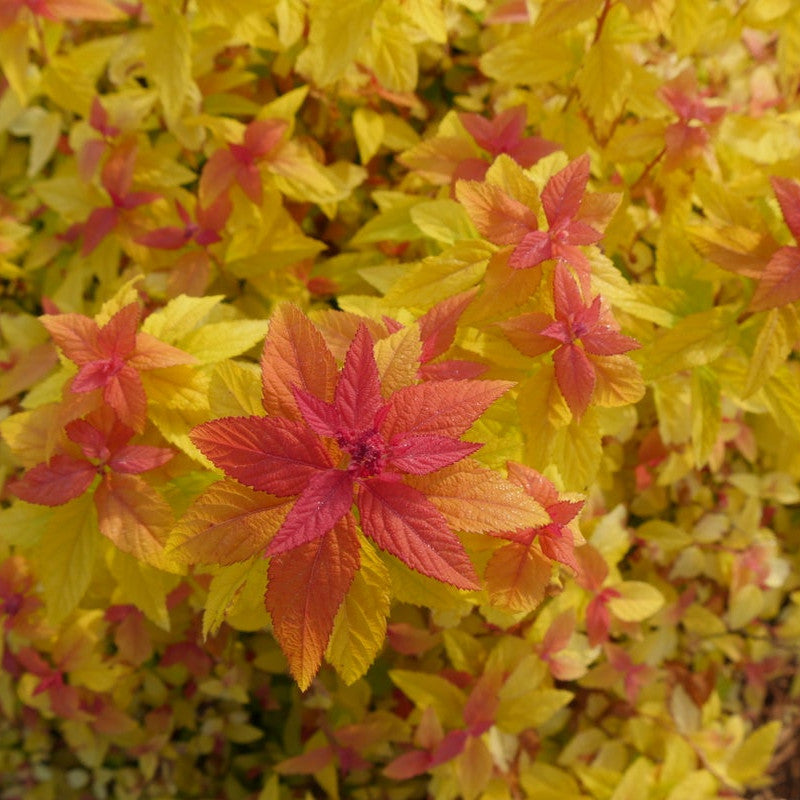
{"x": 134, "y": 516}
{"x": 304, "y": 591}
{"x": 226, "y": 524}
{"x": 295, "y": 354}
{"x": 517, "y": 576}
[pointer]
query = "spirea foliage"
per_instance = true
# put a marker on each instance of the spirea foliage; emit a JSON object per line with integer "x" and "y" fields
{"x": 398, "y": 398}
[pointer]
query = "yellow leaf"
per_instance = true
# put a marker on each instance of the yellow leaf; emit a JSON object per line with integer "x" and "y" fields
{"x": 169, "y": 57}
{"x": 398, "y": 357}
{"x": 750, "y": 761}
{"x": 180, "y": 317}
{"x": 142, "y": 585}
{"x": 696, "y": 340}
{"x": 336, "y": 34}
{"x": 619, "y": 381}
{"x": 745, "y": 605}
{"x": 779, "y": 331}
{"x": 443, "y": 220}
{"x": 637, "y": 781}
{"x": 706, "y": 414}
{"x": 359, "y": 629}
{"x": 427, "y": 282}
{"x": 218, "y": 341}
{"x": 368, "y": 127}
{"x": 429, "y": 690}
{"x": 782, "y": 395}
{"x": 235, "y": 390}
{"x": 603, "y": 82}
{"x": 390, "y": 54}
{"x": 577, "y": 452}
{"x": 789, "y": 53}
{"x": 638, "y": 601}
{"x": 66, "y": 555}
{"x": 528, "y": 59}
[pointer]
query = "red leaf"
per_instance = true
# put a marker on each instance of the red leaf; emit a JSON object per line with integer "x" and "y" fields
{"x": 321, "y": 417}
{"x": 304, "y": 591}
{"x": 534, "y": 483}
{"x": 534, "y": 248}
{"x": 443, "y": 408}
{"x": 125, "y": 394}
{"x": 525, "y": 333}
{"x": 408, "y": 765}
{"x": 61, "y": 479}
{"x": 273, "y": 455}
{"x": 152, "y": 353}
{"x": 421, "y": 454}
{"x": 136, "y": 458}
{"x": 788, "y": 194}
{"x": 326, "y": 499}
{"x": 437, "y": 328}
{"x": 261, "y": 136}
{"x": 97, "y": 226}
{"x": 219, "y": 174}
{"x": 562, "y": 195}
{"x": 499, "y": 135}
{"x": 575, "y": 376}
{"x": 780, "y": 281}
{"x": 118, "y": 336}
{"x": 402, "y": 521}
{"x": 358, "y": 392}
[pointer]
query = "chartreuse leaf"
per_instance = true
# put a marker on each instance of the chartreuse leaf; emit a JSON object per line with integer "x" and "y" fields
{"x": 180, "y": 317}
{"x": 227, "y": 586}
{"x": 548, "y": 782}
{"x": 359, "y": 629}
{"x": 694, "y": 341}
{"x": 66, "y": 555}
{"x": 335, "y": 37}
{"x": 217, "y": 341}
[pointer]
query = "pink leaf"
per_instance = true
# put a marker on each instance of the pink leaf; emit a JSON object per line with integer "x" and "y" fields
{"x": 326, "y": 499}
{"x": 403, "y": 522}
{"x": 421, "y": 454}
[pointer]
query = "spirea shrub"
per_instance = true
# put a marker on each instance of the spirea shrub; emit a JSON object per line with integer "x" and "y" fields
{"x": 399, "y": 398}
